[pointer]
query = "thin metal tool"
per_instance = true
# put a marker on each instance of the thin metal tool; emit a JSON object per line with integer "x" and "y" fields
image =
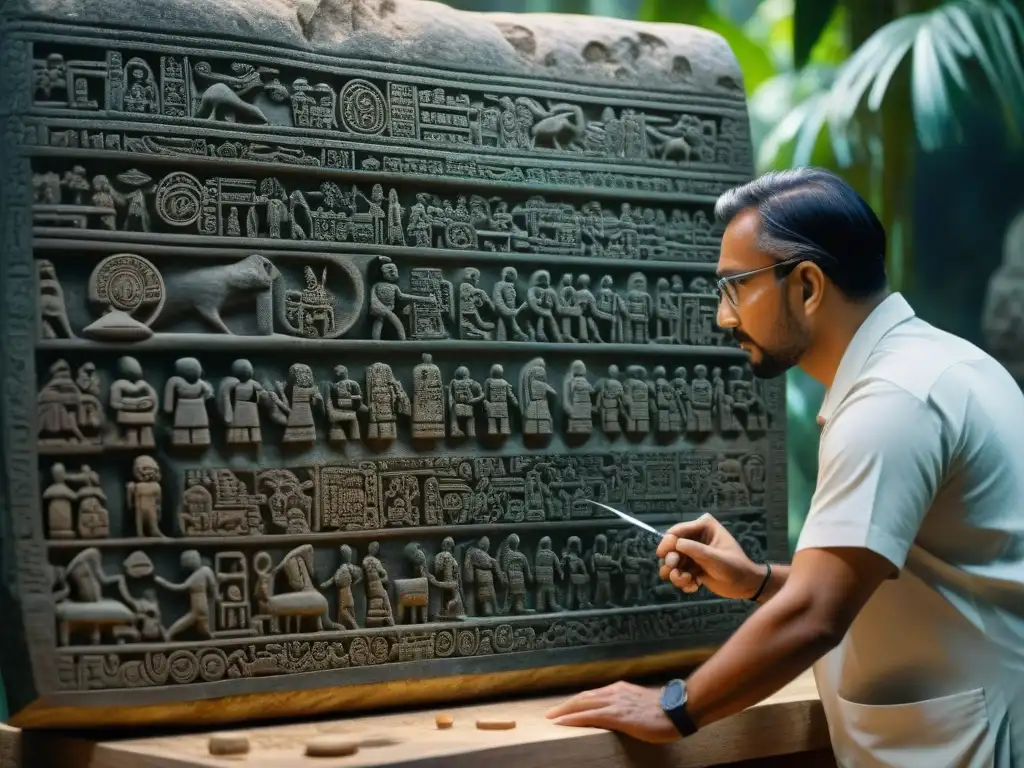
{"x": 630, "y": 519}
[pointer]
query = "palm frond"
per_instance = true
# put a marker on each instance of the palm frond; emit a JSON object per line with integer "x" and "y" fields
{"x": 941, "y": 44}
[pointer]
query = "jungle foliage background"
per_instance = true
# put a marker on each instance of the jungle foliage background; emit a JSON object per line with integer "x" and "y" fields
{"x": 917, "y": 103}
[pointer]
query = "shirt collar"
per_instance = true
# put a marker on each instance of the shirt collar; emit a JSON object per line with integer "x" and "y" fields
{"x": 893, "y": 311}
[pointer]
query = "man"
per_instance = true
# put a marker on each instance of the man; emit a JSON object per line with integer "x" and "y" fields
{"x": 906, "y": 592}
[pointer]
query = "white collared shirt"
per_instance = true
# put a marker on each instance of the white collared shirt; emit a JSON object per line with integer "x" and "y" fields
{"x": 922, "y": 461}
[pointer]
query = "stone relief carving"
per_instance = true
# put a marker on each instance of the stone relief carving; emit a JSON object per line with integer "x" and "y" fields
{"x": 225, "y": 90}
{"x": 354, "y": 216}
{"x": 445, "y": 403}
{"x": 241, "y": 288}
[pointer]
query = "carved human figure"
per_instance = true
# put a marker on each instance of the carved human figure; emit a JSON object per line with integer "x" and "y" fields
{"x": 668, "y": 410}
{"x": 145, "y": 497}
{"x": 53, "y": 313}
{"x": 677, "y": 326}
{"x": 701, "y": 400}
{"x": 750, "y": 394}
{"x": 578, "y": 596}
{"x": 79, "y": 601}
{"x": 542, "y": 300}
{"x": 610, "y": 308}
{"x": 667, "y": 311}
{"x": 378, "y": 602}
{"x": 639, "y": 400}
{"x": 567, "y": 309}
{"x": 427, "y": 400}
{"x": 516, "y": 568}
{"x": 344, "y": 579}
{"x": 603, "y": 565}
{"x": 386, "y": 398}
{"x": 60, "y": 504}
{"x": 507, "y": 307}
{"x": 498, "y": 395}
{"x": 611, "y": 402}
{"x": 90, "y": 416}
{"x": 292, "y": 405}
{"x": 302, "y": 600}
{"x": 239, "y": 399}
{"x": 448, "y": 578}
{"x": 633, "y": 567}
{"x": 395, "y": 210}
{"x": 578, "y": 400}
{"x": 681, "y": 387}
{"x": 534, "y": 394}
{"x": 185, "y": 396}
{"x": 344, "y": 404}
{"x": 471, "y": 299}
{"x": 93, "y": 517}
{"x": 638, "y": 310}
{"x": 385, "y": 297}
{"x": 418, "y": 228}
{"x": 482, "y": 571}
{"x": 723, "y": 404}
{"x": 59, "y": 407}
{"x": 464, "y": 394}
{"x": 588, "y": 314}
{"x": 547, "y": 566}
{"x": 135, "y": 403}
{"x": 201, "y": 585}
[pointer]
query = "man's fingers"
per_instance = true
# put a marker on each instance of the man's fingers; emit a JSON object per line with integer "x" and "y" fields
{"x": 691, "y": 529}
{"x": 666, "y": 545}
{"x": 592, "y": 718}
{"x": 693, "y": 550}
{"x": 685, "y": 581}
{"x": 581, "y": 702}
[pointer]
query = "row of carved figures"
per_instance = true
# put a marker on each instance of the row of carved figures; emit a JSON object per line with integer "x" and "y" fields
{"x": 72, "y": 417}
{"x": 136, "y": 297}
{"x": 460, "y": 582}
{"x": 183, "y": 87}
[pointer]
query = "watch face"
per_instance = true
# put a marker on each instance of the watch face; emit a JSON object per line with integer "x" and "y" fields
{"x": 672, "y": 695}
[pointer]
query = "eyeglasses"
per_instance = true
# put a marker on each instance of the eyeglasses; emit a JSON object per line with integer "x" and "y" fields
{"x": 727, "y": 285}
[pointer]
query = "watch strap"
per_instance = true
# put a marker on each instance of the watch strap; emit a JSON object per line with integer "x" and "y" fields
{"x": 677, "y": 713}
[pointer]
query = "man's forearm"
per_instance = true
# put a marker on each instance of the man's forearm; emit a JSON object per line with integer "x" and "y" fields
{"x": 778, "y": 580}
{"x": 776, "y": 644}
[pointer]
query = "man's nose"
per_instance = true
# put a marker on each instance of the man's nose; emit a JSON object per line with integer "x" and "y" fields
{"x": 727, "y": 317}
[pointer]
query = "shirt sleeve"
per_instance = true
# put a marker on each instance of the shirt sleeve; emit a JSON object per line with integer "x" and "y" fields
{"x": 880, "y": 466}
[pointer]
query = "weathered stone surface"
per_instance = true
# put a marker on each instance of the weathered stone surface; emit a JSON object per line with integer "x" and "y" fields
{"x": 321, "y": 325}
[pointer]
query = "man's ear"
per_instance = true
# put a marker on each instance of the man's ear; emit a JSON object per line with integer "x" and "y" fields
{"x": 812, "y": 285}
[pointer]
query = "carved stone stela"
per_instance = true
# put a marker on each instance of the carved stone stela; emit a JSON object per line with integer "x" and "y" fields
{"x": 315, "y": 350}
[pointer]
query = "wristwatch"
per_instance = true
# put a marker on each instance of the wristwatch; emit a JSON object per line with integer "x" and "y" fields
{"x": 673, "y": 703}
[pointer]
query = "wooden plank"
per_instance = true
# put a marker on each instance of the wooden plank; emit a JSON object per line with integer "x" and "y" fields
{"x": 789, "y": 723}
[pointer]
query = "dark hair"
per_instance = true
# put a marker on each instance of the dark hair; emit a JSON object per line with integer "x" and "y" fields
{"x": 813, "y": 214}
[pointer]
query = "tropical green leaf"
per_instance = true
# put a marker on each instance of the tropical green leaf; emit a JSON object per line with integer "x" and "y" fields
{"x": 810, "y": 17}
{"x": 939, "y": 48}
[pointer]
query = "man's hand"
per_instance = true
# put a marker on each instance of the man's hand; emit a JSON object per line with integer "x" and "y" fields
{"x": 702, "y": 552}
{"x": 621, "y": 707}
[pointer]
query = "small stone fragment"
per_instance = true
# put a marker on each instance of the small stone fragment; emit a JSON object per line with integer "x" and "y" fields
{"x": 224, "y": 744}
{"x": 331, "y": 746}
{"x": 444, "y": 722}
{"x": 495, "y": 725}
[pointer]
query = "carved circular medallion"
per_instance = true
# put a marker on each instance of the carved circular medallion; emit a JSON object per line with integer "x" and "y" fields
{"x": 178, "y": 199}
{"x": 183, "y": 667}
{"x": 444, "y": 643}
{"x": 504, "y": 638}
{"x": 362, "y": 108}
{"x": 129, "y": 284}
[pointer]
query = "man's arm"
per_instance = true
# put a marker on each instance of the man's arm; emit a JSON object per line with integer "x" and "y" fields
{"x": 883, "y": 455}
{"x": 779, "y": 577}
{"x": 819, "y": 598}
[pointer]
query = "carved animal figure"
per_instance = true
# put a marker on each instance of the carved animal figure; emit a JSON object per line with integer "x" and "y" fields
{"x": 413, "y": 593}
{"x": 209, "y": 291}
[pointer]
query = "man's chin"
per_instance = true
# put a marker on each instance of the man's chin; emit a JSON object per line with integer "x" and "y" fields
{"x": 769, "y": 368}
